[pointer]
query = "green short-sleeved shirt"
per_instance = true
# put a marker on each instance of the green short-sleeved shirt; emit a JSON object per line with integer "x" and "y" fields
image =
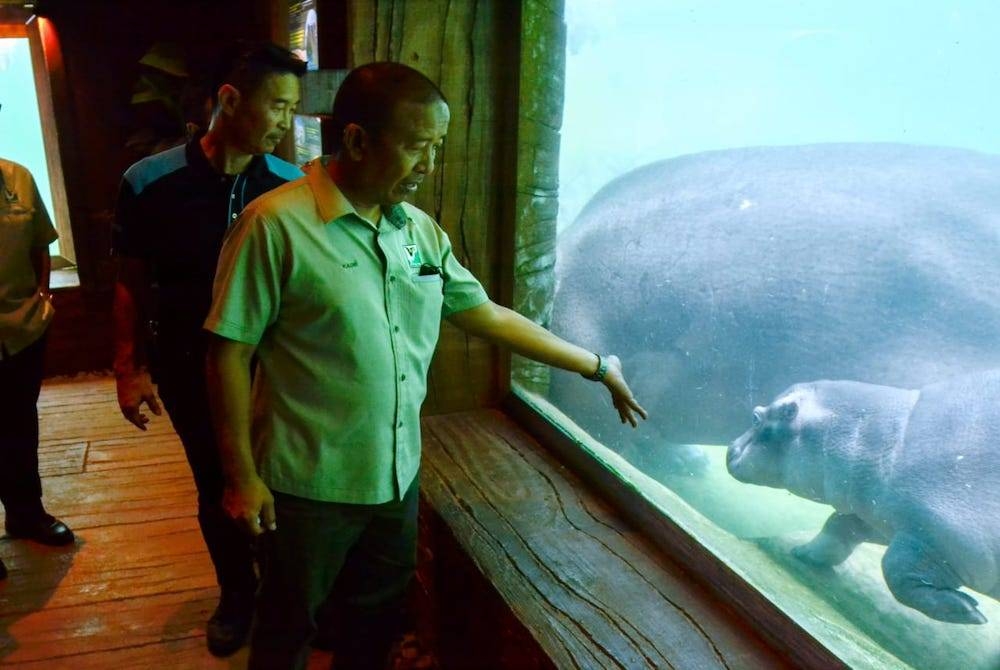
{"x": 345, "y": 326}
{"x": 24, "y": 225}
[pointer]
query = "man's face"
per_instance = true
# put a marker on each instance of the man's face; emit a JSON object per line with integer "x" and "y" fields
{"x": 401, "y": 156}
{"x": 261, "y": 119}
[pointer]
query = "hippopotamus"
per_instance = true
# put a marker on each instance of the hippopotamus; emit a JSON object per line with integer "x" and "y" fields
{"x": 916, "y": 470}
{"x": 722, "y": 278}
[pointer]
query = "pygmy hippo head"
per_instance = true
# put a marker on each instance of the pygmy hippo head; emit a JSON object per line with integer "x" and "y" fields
{"x": 759, "y": 455}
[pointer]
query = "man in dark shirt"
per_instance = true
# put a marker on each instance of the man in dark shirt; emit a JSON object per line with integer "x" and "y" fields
{"x": 173, "y": 211}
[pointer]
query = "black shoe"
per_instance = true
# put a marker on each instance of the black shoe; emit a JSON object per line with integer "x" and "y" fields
{"x": 409, "y": 653}
{"x": 228, "y": 627}
{"x": 45, "y": 529}
{"x": 3, "y": 570}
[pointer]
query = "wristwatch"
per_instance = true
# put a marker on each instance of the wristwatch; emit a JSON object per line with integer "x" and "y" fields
{"x": 602, "y": 369}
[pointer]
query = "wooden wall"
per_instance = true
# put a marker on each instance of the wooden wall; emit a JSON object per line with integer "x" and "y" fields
{"x": 540, "y": 110}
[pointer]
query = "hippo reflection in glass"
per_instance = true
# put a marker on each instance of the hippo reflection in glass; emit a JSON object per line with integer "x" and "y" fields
{"x": 916, "y": 470}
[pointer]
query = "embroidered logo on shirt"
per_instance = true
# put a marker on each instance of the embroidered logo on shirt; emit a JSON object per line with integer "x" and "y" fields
{"x": 348, "y": 266}
{"x": 413, "y": 255}
{"x": 9, "y": 197}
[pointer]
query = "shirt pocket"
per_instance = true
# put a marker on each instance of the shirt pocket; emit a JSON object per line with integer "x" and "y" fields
{"x": 422, "y": 304}
{"x": 427, "y": 279}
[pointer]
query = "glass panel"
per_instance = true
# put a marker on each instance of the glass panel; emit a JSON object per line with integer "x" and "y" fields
{"x": 20, "y": 126}
{"x": 303, "y": 32}
{"x": 756, "y": 199}
{"x": 308, "y": 138}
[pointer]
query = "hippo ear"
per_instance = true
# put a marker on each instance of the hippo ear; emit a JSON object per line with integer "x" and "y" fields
{"x": 788, "y": 411}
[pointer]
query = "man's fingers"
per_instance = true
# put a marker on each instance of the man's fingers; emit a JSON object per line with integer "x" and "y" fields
{"x": 267, "y": 515}
{"x": 253, "y": 522}
{"x": 625, "y": 412}
{"x": 153, "y": 405}
{"x": 136, "y": 417}
{"x": 262, "y": 521}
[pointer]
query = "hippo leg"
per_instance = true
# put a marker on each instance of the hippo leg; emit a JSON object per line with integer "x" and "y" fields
{"x": 921, "y": 581}
{"x": 841, "y": 534}
{"x": 661, "y": 459}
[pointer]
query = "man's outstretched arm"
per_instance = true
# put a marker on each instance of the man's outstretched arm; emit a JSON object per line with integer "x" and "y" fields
{"x": 522, "y": 336}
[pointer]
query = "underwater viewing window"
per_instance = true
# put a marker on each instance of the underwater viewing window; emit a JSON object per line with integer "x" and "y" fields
{"x": 27, "y": 125}
{"x": 784, "y": 218}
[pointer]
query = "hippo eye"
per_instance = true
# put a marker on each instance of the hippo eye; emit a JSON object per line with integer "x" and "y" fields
{"x": 758, "y": 418}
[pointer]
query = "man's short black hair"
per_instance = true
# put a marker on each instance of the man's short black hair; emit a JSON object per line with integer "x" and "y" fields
{"x": 370, "y": 93}
{"x": 244, "y": 65}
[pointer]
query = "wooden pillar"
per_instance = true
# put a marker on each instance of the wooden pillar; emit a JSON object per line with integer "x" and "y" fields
{"x": 542, "y": 83}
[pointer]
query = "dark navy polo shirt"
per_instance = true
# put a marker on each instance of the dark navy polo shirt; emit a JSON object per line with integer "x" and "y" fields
{"x": 173, "y": 211}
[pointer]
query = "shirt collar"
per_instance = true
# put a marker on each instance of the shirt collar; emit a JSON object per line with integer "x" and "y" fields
{"x": 198, "y": 162}
{"x": 331, "y": 201}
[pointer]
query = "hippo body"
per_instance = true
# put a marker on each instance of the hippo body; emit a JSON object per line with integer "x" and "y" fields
{"x": 916, "y": 470}
{"x": 724, "y": 277}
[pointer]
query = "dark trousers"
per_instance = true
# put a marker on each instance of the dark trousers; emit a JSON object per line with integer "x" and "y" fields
{"x": 360, "y": 558}
{"x": 20, "y": 383}
{"x": 181, "y": 386}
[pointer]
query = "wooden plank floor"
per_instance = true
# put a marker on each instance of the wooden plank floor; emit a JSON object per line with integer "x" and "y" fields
{"x": 137, "y": 587}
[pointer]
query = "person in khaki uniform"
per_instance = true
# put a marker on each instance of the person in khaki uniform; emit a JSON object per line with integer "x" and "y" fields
{"x": 339, "y": 286}
{"x": 25, "y": 312}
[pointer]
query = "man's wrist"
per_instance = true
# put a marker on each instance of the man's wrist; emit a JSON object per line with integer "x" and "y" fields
{"x": 123, "y": 371}
{"x": 602, "y": 369}
{"x": 242, "y": 477}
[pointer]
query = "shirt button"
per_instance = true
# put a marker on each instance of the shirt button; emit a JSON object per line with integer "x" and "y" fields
{"x": 396, "y": 329}
{"x": 234, "y": 216}
{"x": 392, "y": 277}
{"x": 399, "y": 425}
{"x": 402, "y": 378}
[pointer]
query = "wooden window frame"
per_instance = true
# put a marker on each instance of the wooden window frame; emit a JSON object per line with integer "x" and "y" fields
{"x": 49, "y": 76}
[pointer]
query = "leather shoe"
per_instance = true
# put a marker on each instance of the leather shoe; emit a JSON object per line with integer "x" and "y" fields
{"x": 3, "y": 570}
{"x": 229, "y": 625}
{"x": 45, "y": 529}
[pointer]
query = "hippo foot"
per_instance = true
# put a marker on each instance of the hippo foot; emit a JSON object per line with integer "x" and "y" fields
{"x": 841, "y": 535}
{"x": 947, "y": 605}
{"x": 921, "y": 581}
{"x": 687, "y": 460}
{"x": 817, "y": 553}
{"x": 662, "y": 461}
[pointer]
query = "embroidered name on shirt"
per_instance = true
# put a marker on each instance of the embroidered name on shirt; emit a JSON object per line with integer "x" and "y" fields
{"x": 348, "y": 266}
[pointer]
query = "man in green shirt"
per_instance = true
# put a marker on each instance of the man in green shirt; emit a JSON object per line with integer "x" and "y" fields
{"x": 339, "y": 286}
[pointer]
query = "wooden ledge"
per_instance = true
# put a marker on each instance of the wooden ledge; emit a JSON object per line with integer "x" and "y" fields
{"x": 590, "y": 590}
